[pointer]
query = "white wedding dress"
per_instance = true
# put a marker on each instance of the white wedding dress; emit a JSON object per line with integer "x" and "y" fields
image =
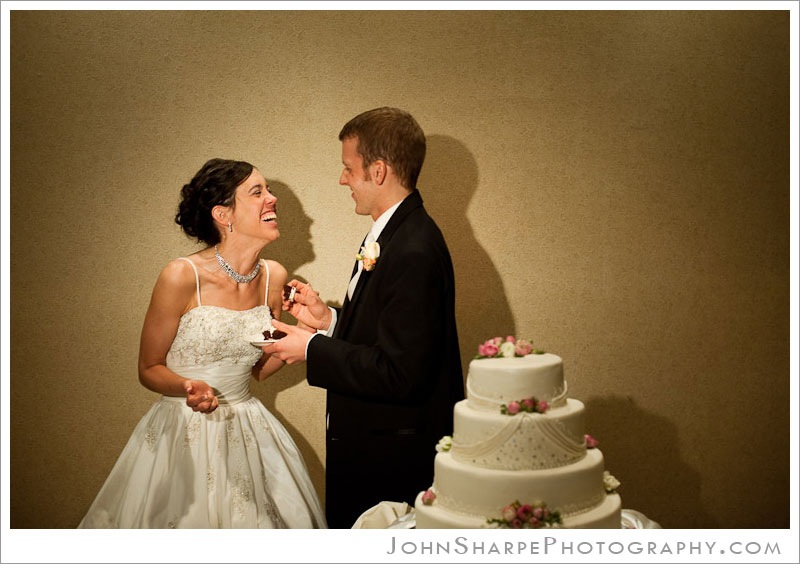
{"x": 237, "y": 467}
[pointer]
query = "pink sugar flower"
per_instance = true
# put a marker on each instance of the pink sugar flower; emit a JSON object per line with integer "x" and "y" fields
{"x": 428, "y": 497}
{"x": 509, "y": 513}
{"x": 591, "y": 442}
{"x": 525, "y": 512}
{"x": 513, "y": 407}
{"x": 523, "y": 347}
{"x": 528, "y": 516}
{"x": 542, "y": 406}
{"x": 508, "y": 347}
{"x": 529, "y": 404}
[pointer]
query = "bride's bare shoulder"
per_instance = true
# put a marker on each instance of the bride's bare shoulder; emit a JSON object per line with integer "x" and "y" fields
{"x": 276, "y": 270}
{"x": 178, "y": 274}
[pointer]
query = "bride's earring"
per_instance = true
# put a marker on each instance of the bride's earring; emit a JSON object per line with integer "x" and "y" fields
{"x": 230, "y": 227}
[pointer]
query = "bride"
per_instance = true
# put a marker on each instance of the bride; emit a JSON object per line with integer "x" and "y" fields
{"x": 207, "y": 454}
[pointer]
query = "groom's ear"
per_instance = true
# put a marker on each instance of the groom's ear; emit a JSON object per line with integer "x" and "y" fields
{"x": 379, "y": 170}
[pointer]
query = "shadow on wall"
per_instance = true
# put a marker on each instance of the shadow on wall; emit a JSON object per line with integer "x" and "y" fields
{"x": 642, "y": 451}
{"x": 447, "y": 183}
{"x": 292, "y": 250}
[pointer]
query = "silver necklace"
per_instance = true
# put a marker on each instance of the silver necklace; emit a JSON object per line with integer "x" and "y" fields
{"x": 229, "y": 270}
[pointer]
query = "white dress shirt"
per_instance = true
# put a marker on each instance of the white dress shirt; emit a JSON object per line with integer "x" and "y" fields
{"x": 375, "y": 231}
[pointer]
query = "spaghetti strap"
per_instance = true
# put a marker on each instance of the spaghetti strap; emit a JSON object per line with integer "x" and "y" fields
{"x": 196, "y": 278}
{"x": 266, "y": 287}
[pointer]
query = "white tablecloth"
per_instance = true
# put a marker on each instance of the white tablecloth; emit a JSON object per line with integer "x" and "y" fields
{"x": 400, "y": 515}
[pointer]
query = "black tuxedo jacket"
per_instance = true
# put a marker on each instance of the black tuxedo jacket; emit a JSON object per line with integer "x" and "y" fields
{"x": 392, "y": 369}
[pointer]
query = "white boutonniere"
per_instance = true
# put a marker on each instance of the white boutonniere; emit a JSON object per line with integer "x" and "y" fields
{"x": 369, "y": 255}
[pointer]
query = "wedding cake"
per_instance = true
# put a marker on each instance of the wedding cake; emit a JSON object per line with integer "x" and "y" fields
{"x": 519, "y": 456}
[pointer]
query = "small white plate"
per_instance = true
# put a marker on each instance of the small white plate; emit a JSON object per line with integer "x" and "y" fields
{"x": 258, "y": 340}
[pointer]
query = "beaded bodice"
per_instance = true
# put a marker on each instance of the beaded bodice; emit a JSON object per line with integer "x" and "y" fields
{"x": 212, "y": 335}
{"x": 213, "y": 344}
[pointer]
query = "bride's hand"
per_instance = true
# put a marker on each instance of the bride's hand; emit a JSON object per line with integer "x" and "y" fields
{"x": 200, "y": 396}
{"x": 306, "y": 306}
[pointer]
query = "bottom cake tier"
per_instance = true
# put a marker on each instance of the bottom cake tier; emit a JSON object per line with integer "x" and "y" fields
{"x": 467, "y": 496}
{"x": 607, "y": 515}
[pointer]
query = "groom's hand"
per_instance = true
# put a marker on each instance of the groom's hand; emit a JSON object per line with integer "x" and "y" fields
{"x": 306, "y": 307}
{"x": 292, "y": 348}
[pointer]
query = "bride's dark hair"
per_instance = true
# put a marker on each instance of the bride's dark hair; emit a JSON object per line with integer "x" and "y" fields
{"x": 213, "y": 185}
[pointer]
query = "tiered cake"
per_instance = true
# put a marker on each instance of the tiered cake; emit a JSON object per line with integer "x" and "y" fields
{"x": 518, "y": 456}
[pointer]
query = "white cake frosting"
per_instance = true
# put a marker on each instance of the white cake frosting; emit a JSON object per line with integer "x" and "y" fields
{"x": 531, "y": 457}
{"x": 526, "y": 441}
{"x": 498, "y": 381}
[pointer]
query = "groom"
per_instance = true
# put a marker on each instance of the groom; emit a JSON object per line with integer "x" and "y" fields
{"x": 389, "y": 358}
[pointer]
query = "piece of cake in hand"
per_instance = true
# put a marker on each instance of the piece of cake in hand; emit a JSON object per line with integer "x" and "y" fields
{"x": 274, "y": 334}
{"x": 288, "y": 293}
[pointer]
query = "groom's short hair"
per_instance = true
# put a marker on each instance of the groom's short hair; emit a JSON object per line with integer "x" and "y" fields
{"x": 391, "y": 135}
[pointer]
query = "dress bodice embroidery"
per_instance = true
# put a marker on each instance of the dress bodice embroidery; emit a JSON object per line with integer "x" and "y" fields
{"x": 211, "y": 334}
{"x": 212, "y": 343}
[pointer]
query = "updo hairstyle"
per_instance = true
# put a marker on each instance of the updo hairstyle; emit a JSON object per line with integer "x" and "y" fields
{"x": 213, "y": 185}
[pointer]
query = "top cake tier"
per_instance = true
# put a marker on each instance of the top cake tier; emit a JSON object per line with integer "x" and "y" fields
{"x": 492, "y": 382}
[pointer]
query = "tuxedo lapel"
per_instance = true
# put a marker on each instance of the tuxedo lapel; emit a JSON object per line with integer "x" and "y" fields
{"x": 345, "y": 309}
{"x": 350, "y": 303}
{"x": 411, "y": 202}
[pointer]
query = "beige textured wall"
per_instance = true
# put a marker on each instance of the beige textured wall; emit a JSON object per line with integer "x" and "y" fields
{"x": 613, "y": 185}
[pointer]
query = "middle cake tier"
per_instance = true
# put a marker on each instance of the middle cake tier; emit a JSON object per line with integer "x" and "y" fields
{"x": 525, "y": 441}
